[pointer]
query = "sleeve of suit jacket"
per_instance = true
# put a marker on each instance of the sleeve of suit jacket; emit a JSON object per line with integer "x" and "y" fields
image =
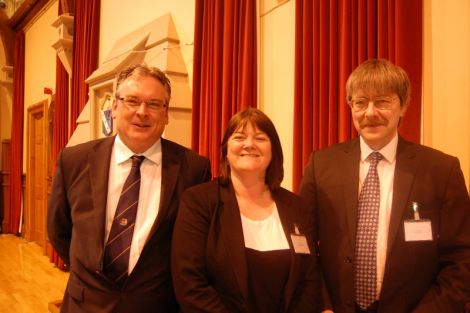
{"x": 190, "y": 279}
{"x": 59, "y": 221}
{"x": 308, "y": 193}
{"x": 451, "y": 287}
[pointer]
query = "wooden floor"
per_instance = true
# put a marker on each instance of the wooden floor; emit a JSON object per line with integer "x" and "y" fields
{"x": 28, "y": 281}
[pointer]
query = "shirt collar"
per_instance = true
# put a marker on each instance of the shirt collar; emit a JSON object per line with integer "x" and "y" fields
{"x": 123, "y": 153}
{"x": 389, "y": 151}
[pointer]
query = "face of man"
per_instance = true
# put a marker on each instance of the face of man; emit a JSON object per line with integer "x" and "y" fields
{"x": 376, "y": 117}
{"x": 140, "y": 120}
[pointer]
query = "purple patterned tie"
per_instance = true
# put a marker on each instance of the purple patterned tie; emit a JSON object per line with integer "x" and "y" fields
{"x": 365, "y": 282}
{"x": 117, "y": 250}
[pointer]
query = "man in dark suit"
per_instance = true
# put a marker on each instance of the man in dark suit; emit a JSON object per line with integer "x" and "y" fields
{"x": 86, "y": 195}
{"x": 420, "y": 257}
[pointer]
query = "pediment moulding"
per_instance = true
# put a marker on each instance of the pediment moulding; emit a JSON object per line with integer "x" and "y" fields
{"x": 155, "y": 44}
{"x": 64, "y": 43}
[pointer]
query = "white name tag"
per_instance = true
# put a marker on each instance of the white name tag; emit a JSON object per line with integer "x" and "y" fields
{"x": 300, "y": 244}
{"x": 418, "y": 230}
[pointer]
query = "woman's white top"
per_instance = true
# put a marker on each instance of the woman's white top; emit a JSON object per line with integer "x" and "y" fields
{"x": 265, "y": 235}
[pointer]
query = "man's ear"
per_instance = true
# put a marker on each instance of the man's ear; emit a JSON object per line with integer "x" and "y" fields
{"x": 402, "y": 114}
{"x": 403, "y": 110}
{"x": 114, "y": 109}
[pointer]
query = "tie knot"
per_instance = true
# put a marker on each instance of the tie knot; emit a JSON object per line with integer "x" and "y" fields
{"x": 137, "y": 160}
{"x": 374, "y": 158}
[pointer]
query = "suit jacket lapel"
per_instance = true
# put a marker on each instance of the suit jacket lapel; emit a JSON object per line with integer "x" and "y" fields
{"x": 171, "y": 163}
{"x": 349, "y": 166}
{"x": 232, "y": 234}
{"x": 98, "y": 164}
{"x": 405, "y": 169}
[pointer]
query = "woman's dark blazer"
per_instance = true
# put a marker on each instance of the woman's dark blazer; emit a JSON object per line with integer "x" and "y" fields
{"x": 208, "y": 253}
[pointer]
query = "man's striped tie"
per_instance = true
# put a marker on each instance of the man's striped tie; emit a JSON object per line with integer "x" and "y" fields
{"x": 117, "y": 250}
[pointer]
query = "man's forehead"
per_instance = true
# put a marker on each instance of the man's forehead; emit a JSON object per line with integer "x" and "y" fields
{"x": 132, "y": 84}
{"x": 134, "y": 79}
{"x": 372, "y": 92}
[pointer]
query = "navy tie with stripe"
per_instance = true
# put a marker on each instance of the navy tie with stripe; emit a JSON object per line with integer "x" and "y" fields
{"x": 366, "y": 236}
{"x": 117, "y": 250}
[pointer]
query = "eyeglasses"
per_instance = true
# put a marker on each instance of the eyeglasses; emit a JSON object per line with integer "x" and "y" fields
{"x": 135, "y": 103}
{"x": 380, "y": 103}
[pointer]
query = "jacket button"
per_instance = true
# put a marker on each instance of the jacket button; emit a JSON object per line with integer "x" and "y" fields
{"x": 348, "y": 260}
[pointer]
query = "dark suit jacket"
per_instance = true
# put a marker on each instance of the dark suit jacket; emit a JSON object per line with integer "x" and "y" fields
{"x": 421, "y": 276}
{"x": 208, "y": 253}
{"x": 76, "y": 221}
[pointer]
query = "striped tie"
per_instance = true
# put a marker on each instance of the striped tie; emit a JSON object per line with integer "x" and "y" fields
{"x": 366, "y": 236}
{"x": 117, "y": 250}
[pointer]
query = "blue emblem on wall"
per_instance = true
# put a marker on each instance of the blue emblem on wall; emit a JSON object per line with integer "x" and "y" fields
{"x": 107, "y": 116}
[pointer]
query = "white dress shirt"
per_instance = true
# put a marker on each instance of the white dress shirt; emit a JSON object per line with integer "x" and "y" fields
{"x": 149, "y": 195}
{"x": 386, "y": 172}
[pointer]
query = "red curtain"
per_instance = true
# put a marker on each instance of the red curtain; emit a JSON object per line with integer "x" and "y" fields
{"x": 16, "y": 157}
{"x": 60, "y": 124}
{"x": 59, "y": 129}
{"x": 85, "y": 53}
{"x": 334, "y": 37}
{"x": 224, "y": 72}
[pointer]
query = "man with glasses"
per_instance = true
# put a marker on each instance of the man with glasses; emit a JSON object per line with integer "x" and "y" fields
{"x": 393, "y": 217}
{"x": 114, "y": 202}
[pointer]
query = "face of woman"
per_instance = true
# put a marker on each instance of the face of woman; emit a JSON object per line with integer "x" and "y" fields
{"x": 249, "y": 151}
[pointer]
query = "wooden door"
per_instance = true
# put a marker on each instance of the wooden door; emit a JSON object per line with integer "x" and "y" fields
{"x": 6, "y": 151}
{"x": 36, "y": 173}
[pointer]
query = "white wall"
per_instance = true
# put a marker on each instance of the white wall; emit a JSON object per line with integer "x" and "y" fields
{"x": 40, "y": 57}
{"x": 40, "y": 61}
{"x": 446, "y": 79}
{"x": 276, "y": 73}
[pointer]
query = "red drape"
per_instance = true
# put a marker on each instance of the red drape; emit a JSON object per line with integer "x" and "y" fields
{"x": 16, "y": 157}
{"x": 332, "y": 38}
{"x": 224, "y": 72}
{"x": 59, "y": 128}
{"x": 85, "y": 53}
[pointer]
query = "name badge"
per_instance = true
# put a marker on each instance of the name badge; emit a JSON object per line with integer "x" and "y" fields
{"x": 418, "y": 230}
{"x": 299, "y": 242}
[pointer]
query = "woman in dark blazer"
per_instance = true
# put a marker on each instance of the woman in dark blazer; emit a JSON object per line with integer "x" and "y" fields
{"x": 242, "y": 243}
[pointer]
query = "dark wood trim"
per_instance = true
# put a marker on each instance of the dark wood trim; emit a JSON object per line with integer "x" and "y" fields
{"x": 25, "y": 13}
